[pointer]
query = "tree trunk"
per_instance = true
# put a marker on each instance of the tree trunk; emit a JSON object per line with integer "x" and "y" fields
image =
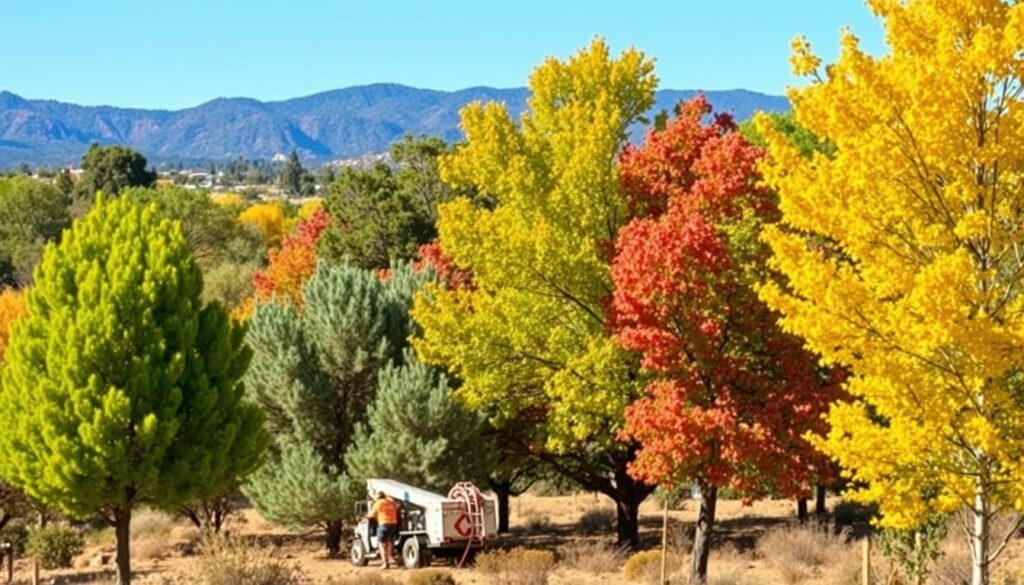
{"x": 334, "y": 529}
{"x": 819, "y": 500}
{"x": 122, "y": 531}
{"x": 702, "y": 535}
{"x": 503, "y": 510}
{"x": 4, "y": 519}
{"x": 801, "y": 509}
{"x": 980, "y": 536}
{"x": 628, "y": 495}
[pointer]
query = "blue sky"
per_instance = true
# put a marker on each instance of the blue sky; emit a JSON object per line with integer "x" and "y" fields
{"x": 175, "y": 54}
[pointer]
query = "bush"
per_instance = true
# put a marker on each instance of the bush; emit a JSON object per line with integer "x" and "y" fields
{"x": 537, "y": 523}
{"x": 430, "y": 577}
{"x": 16, "y": 534}
{"x": 226, "y": 562}
{"x": 55, "y": 546}
{"x": 594, "y": 557}
{"x": 848, "y": 513}
{"x": 797, "y": 552}
{"x": 599, "y": 521}
{"x": 516, "y": 567}
{"x": 645, "y": 566}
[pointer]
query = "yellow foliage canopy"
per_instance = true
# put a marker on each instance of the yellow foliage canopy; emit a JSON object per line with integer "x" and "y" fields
{"x": 268, "y": 219}
{"x": 905, "y": 252}
{"x": 531, "y": 335}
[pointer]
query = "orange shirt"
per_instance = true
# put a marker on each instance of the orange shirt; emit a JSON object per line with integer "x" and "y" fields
{"x": 386, "y": 511}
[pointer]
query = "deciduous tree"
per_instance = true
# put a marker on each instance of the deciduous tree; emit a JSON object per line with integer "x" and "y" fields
{"x": 731, "y": 395}
{"x": 111, "y": 169}
{"x": 32, "y": 213}
{"x": 903, "y": 264}
{"x": 119, "y": 387}
{"x": 529, "y": 339}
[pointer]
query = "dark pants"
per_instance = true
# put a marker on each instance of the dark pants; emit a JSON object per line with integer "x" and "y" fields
{"x": 387, "y": 532}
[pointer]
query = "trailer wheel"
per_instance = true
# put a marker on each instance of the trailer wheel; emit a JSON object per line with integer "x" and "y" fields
{"x": 415, "y": 554}
{"x": 357, "y": 554}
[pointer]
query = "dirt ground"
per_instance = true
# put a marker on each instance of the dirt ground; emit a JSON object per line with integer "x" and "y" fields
{"x": 164, "y": 551}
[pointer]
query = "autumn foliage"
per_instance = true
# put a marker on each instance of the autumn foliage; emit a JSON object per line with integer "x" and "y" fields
{"x": 290, "y": 266}
{"x": 732, "y": 394}
{"x": 12, "y": 307}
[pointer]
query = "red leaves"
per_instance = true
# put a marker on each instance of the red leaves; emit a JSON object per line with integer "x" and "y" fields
{"x": 733, "y": 394}
{"x": 294, "y": 262}
{"x": 430, "y": 255}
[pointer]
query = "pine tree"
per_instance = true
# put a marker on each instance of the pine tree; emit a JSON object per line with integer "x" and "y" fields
{"x": 119, "y": 387}
{"x": 315, "y": 373}
{"x": 290, "y": 178}
{"x": 417, "y": 434}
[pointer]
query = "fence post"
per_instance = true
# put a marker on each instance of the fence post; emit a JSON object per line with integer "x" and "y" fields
{"x": 866, "y": 562}
{"x": 664, "y": 541}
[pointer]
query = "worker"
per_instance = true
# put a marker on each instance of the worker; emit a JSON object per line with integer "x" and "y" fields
{"x": 385, "y": 511}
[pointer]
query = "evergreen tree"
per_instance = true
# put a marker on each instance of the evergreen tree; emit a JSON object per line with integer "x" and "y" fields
{"x": 119, "y": 387}
{"x": 416, "y": 433}
{"x": 64, "y": 182}
{"x": 314, "y": 372}
{"x": 290, "y": 178}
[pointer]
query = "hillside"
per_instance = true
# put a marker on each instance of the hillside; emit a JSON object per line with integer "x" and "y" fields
{"x": 325, "y": 126}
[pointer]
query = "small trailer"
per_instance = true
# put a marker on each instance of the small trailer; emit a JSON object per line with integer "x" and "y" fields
{"x": 454, "y": 526}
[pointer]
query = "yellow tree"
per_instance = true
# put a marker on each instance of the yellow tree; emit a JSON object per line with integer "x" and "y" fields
{"x": 268, "y": 219}
{"x": 904, "y": 253}
{"x": 529, "y": 339}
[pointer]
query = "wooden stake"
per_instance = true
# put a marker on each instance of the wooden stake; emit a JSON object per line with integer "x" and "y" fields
{"x": 664, "y": 542}
{"x": 919, "y": 578}
{"x": 35, "y": 571}
{"x": 866, "y": 563}
{"x": 10, "y": 565}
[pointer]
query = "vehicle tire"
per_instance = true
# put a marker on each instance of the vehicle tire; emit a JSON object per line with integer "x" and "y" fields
{"x": 415, "y": 554}
{"x": 357, "y": 553}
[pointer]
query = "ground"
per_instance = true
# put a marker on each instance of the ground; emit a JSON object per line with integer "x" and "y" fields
{"x": 757, "y": 544}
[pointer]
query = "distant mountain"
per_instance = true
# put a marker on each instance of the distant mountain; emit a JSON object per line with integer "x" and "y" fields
{"x": 331, "y": 125}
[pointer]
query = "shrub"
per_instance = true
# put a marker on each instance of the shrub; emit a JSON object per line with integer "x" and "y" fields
{"x": 593, "y": 557}
{"x": 645, "y": 566}
{"x": 55, "y": 546}
{"x": 798, "y": 551}
{"x": 848, "y": 513}
{"x": 516, "y": 567}
{"x": 16, "y": 534}
{"x": 599, "y": 521}
{"x": 430, "y": 577}
{"x": 537, "y": 523}
{"x": 226, "y": 562}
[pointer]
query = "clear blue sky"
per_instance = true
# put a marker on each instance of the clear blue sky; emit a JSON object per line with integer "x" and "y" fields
{"x": 174, "y": 54}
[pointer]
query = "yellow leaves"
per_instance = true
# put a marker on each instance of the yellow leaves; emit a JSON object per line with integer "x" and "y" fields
{"x": 803, "y": 61}
{"x": 903, "y": 251}
{"x": 12, "y": 307}
{"x": 268, "y": 219}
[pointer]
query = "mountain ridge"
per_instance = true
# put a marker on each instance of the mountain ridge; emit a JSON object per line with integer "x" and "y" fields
{"x": 328, "y": 125}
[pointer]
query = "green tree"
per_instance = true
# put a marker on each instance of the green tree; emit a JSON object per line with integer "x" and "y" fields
{"x": 805, "y": 141}
{"x": 64, "y": 182}
{"x": 111, "y": 169}
{"x": 290, "y": 177}
{"x": 120, "y": 388}
{"x": 315, "y": 372}
{"x": 416, "y": 433}
{"x": 383, "y": 215}
{"x": 32, "y": 213}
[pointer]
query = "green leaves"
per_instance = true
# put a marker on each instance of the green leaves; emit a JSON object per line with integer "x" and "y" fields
{"x": 120, "y": 387}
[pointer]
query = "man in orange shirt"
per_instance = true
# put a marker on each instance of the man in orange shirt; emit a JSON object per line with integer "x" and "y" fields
{"x": 385, "y": 511}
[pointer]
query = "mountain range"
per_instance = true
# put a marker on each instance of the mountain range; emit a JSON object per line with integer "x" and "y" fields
{"x": 338, "y": 124}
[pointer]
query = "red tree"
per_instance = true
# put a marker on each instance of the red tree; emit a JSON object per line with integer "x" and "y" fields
{"x": 290, "y": 266}
{"x": 732, "y": 396}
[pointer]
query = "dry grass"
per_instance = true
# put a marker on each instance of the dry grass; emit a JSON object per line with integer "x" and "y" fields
{"x": 366, "y": 578}
{"x": 596, "y": 521}
{"x": 226, "y": 562}
{"x": 151, "y": 535}
{"x": 799, "y": 553}
{"x": 645, "y": 567}
{"x": 430, "y": 577}
{"x": 516, "y": 567}
{"x": 593, "y": 557}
